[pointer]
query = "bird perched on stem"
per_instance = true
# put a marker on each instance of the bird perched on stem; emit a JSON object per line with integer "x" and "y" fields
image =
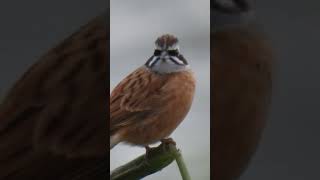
{"x": 53, "y": 120}
{"x": 151, "y": 102}
{"x": 241, "y": 62}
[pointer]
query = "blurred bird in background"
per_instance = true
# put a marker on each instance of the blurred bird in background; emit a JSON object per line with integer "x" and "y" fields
{"x": 53, "y": 121}
{"x": 242, "y": 72}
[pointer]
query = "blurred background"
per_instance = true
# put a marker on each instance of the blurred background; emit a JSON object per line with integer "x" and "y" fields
{"x": 135, "y": 25}
{"x": 290, "y": 146}
{"x": 30, "y": 28}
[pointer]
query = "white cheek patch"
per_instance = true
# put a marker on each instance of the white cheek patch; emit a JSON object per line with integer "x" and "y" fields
{"x": 174, "y": 47}
{"x": 159, "y": 47}
{"x": 177, "y": 60}
{"x": 152, "y": 61}
{"x": 169, "y": 61}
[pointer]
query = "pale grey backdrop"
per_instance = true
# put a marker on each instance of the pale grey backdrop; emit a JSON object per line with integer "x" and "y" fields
{"x": 134, "y": 27}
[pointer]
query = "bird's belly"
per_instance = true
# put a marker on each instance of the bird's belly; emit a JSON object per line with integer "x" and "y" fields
{"x": 156, "y": 129}
{"x": 160, "y": 125}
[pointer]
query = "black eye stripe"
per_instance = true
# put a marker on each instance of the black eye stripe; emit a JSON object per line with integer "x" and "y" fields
{"x": 149, "y": 63}
{"x": 170, "y": 52}
{"x": 155, "y": 62}
{"x": 157, "y": 52}
{"x": 174, "y": 61}
{"x": 173, "y": 52}
{"x": 173, "y": 55}
{"x": 183, "y": 59}
{"x": 149, "y": 60}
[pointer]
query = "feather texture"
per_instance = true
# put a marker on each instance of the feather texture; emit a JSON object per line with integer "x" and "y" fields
{"x": 242, "y": 76}
{"x": 52, "y": 122}
{"x": 146, "y": 107}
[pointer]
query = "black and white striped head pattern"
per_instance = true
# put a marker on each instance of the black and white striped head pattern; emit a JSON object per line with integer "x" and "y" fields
{"x": 167, "y": 57}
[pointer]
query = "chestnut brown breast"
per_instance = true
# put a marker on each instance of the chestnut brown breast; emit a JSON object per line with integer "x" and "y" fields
{"x": 160, "y": 102}
{"x": 241, "y": 64}
{"x": 52, "y": 122}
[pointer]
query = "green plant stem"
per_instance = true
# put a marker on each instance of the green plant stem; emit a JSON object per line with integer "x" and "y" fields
{"x": 182, "y": 166}
{"x": 145, "y": 165}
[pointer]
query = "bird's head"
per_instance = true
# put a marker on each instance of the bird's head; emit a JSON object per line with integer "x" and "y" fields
{"x": 231, "y": 6}
{"x": 226, "y": 13}
{"x": 167, "y": 57}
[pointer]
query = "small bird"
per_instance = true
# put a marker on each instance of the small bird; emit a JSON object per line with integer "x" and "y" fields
{"x": 241, "y": 60}
{"x": 149, "y": 104}
{"x": 53, "y": 122}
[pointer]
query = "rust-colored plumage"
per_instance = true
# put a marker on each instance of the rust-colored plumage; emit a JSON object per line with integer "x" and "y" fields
{"x": 52, "y": 122}
{"x": 147, "y": 106}
{"x": 166, "y": 40}
{"x": 242, "y": 78}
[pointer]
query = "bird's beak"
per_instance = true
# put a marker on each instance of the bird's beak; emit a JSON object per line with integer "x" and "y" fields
{"x": 164, "y": 56}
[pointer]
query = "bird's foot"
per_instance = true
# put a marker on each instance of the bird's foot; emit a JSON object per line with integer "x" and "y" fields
{"x": 165, "y": 143}
{"x": 146, "y": 156}
{"x": 148, "y": 150}
{"x": 168, "y": 141}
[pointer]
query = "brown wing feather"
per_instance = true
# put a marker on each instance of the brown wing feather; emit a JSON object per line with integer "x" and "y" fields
{"x": 56, "y": 110}
{"x": 135, "y": 98}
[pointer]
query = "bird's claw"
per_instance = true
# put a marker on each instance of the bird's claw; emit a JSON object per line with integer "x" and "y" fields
{"x": 168, "y": 141}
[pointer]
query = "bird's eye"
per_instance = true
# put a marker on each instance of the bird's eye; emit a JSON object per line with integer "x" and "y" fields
{"x": 157, "y": 52}
{"x": 173, "y": 52}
